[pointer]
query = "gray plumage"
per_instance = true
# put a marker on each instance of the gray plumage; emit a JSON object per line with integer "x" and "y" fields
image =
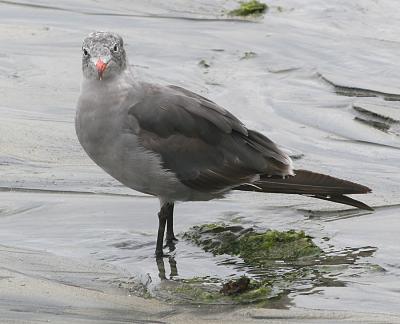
{"x": 170, "y": 142}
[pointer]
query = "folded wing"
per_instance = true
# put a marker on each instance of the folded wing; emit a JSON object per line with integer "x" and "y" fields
{"x": 203, "y": 144}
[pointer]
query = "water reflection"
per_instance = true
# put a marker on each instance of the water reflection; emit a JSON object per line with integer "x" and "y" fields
{"x": 161, "y": 268}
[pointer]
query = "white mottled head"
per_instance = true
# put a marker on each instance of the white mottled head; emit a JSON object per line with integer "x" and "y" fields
{"x": 103, "y": 56}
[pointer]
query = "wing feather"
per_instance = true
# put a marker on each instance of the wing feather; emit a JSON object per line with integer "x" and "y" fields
{"x": 208, "y": 148}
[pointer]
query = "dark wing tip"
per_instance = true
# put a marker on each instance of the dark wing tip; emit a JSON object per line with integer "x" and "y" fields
{"x": 341, "y": 199}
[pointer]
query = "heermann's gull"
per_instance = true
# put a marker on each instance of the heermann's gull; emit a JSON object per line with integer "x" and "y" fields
{"x": 169, "y": 142}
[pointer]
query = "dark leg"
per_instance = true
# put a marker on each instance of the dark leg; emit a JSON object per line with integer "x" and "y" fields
{"x": 166, "y": 209}
{"x": 170, "y": 227}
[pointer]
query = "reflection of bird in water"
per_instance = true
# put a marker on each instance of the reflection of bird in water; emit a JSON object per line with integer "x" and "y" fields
{"x": 161, "y": 268}
{"x": 177, "y": 145}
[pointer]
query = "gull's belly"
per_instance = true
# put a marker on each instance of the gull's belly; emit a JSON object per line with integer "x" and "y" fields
{"x": 118, "y": 151}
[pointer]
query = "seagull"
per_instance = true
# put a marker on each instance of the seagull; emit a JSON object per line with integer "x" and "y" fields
{"x": 174, "y": 144}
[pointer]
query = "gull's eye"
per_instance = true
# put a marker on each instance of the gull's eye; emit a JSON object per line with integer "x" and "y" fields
{"x": 85, "y": 52}
{"x": 116, "y": 48}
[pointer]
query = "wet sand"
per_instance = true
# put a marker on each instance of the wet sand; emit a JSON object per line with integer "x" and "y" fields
{"x": 323, "y": 83}
{"x": 37, "y": 287}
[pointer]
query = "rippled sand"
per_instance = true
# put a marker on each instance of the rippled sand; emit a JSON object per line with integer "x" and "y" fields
{"x": 322, "y": 82}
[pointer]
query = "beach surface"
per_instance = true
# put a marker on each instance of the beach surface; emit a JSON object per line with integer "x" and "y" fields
{"x": 319, "y": 79}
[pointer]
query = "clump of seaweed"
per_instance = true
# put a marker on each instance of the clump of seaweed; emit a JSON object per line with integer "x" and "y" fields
{"x": 242, "y": 290}
{"x": 276, "y": 263}
{"x": 247, "y": 8}
{"x": 255, "y": 248}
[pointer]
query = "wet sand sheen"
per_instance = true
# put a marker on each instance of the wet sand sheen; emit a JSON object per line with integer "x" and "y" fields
{"x": 95, "y": 263}
{"x": 278, "y": 90}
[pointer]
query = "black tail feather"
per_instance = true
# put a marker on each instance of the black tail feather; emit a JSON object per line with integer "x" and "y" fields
{"x": 311, "y": 184}
{"x": 345, "y": 201}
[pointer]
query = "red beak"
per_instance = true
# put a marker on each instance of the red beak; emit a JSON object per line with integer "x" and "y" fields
{"x": 100, "y": 66}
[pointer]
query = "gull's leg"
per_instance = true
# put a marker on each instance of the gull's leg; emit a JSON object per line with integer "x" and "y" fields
{"x": 170, "y": 227}
{"x": 166, "y": 209}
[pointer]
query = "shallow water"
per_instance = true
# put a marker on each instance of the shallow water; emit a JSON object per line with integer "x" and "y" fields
{"x": 312, "y": 65}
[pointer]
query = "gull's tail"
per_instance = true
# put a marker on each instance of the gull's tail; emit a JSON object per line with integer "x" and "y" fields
{"x": 311, "y": 184}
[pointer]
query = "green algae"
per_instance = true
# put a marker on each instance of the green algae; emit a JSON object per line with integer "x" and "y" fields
{"x": 258, "y": 250}
{"x": 201, "y": 291}
{"x": 248, "y": 55}
{"x": 257, "y": 291}
{"x": 255, "y": 248}
{"x": 247, "y": 8}
{"x": 196, "y": 293}
{"x": 275, "y": 263}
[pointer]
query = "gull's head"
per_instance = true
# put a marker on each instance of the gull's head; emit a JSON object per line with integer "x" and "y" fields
{"x": 103, "y": 56}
